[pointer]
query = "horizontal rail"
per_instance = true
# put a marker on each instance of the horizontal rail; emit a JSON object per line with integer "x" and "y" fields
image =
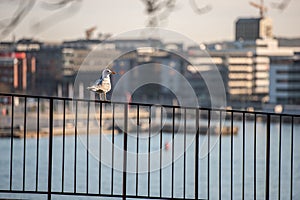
{"x": 147, "y": 104}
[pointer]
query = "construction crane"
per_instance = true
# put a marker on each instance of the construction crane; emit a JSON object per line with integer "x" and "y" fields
{"x": 89, "y": 32}
{"x": 262, "y": 8}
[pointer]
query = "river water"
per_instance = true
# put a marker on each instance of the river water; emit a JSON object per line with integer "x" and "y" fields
{"x": 108, "y": 176}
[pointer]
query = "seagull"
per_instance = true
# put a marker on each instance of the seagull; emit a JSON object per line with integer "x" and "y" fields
{"x": 102, "y": 85}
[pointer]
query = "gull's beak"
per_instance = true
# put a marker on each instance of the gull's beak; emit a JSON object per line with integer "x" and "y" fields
{"x": 112, "y": 72}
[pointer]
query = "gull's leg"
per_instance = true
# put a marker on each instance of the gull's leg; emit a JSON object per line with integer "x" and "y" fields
{"x": 100, "y": 96}
{"x": 105, "y": 96}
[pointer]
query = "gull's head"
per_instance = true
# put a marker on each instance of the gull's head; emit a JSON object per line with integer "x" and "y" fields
{"x": 107, "y": 72}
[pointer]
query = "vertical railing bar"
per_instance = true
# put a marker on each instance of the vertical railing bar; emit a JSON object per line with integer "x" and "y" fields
{"x": 279, "y": 158}
{"x": 173, "y": 143}
{"x": 208, "y": 153}
{"x": 75, "y": 147}
{"x": 137, "y": 150}
{"x": 267, "y": 192}
{"x": 87, "y": 147}
{"x": 112, "y": 150}
{"x": 51, "y": 110}
{"x": 37, "y": 146}
{"x": 63, "y": 147}
{"x": 149, "y": 150}
{"x": 231, "y": 156}
{"x": 100, "y": 146}
{"x": 254, "y": 171}
{"x": 243, "y": 165}
{"x": 11, "y": 142}
{"x": 124, "y": 190}
{"x": 160, "y": 153}
{"x": 197, "y": 154}
{"x": 24, "y": 144}
{"x": 184, "y": 154}
{"x": 220, "y": 156}
{"x": 292, "y": 158}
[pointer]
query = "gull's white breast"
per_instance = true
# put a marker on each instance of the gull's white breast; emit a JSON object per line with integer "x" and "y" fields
{"x": 106, "y": 86}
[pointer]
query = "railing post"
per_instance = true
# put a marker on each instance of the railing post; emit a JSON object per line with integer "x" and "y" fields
{"x": 11, "y": 142}
{"x": 50, "y": 148}
{"x": 125, "y": 151}
{"x": 268, "y": 158}
{"x": 292, "y": 158}
{"x": 197, "y": 154}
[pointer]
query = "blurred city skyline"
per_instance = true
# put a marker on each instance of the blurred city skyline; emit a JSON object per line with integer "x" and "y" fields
{"x": 117, "y": 16}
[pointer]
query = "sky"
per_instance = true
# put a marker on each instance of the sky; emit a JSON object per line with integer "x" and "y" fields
{"x": 118, "y": 16}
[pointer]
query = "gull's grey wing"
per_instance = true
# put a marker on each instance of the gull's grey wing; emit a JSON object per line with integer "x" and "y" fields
{"x": 102, "y": 85}
{"x": 99, "y": 81}
{"x": 97, "y": 86}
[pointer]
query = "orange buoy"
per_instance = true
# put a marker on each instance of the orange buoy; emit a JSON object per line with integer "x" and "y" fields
{"x": 167, "y": 145}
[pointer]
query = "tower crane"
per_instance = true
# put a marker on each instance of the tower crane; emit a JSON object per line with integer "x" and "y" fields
{"x": 262, "y": 8}
{"x": 89, "y": 32}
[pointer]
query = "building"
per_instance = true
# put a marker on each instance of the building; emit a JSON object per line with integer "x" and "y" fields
{"x": 285, "y": 80}
{"x": 17, "y": 72}
{"x": 173, "y": 74}
{"x": 49, "y": 69}
{"x": 126, "y": 45}
{"x": 253, "y": 28}
{"x": 7, "y": 79}
{"x": 206, "y": 73}
{"x": 245, "y": 75}
{"x": 37, "y": 68}
{"x": 259, "y": 71}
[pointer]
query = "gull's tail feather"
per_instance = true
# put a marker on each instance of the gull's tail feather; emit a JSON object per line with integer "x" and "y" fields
{"x": 92, "y": 88}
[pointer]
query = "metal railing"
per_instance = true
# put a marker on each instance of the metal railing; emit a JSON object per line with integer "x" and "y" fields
{"x": 58, "y": 146}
